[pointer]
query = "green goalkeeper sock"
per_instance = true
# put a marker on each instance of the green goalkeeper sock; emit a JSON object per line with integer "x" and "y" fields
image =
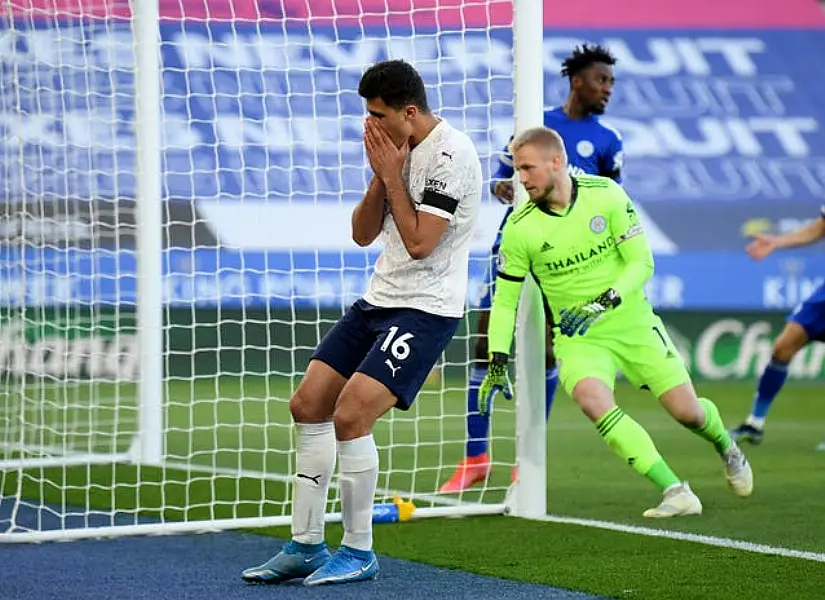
{"x": 714, "y": 429}
{"x": 632, "y": 443}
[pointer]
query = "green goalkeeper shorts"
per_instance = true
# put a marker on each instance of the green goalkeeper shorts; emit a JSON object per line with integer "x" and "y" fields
{"x": 642, "y": 351}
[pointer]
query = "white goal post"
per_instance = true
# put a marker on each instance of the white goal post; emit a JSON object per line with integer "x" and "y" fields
{"x": 177, "y": 182}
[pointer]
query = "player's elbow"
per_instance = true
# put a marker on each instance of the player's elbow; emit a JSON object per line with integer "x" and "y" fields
{"x": 361, "y": 239}
{"x": 420, "y": 247}
{"x": 419, "y": 251}
{"x": 364, "y": 236}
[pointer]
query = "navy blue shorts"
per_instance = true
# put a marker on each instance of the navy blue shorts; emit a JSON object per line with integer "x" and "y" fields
{"x": 810, "y": 315}
{"x": 397, "y": 346}
{"x": 489, "y": 289}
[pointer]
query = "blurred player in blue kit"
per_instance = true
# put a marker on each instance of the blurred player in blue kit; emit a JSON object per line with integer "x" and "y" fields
{"x": 592, "y": 148}
{"x": 805, "y": 324}
{"x": 423, "y": 202}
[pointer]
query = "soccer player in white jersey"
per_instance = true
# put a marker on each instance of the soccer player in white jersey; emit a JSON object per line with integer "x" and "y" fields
{"x": 423, "y": 201}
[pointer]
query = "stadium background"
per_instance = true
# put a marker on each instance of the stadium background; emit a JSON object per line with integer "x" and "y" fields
{"x": 718, "y": 102}
{"x": 722, "y": 139}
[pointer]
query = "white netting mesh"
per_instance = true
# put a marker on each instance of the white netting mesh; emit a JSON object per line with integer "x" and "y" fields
{"x": 262, "y": 163}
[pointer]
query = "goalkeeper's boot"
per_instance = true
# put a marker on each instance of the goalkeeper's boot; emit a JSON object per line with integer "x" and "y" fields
{"x": 678, "y": 501}
{"x": 469, "y": 472}
{"x": 346, "y": 566}
{"x": 738, "y": 471}
{"x": 294, "y": 561}
{"x": 748, "y": 432}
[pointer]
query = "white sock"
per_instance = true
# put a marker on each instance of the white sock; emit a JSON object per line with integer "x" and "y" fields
{"x": 358, "y": 460}
{"x": 314, "y": 468}
{"x": 758, "y": 422}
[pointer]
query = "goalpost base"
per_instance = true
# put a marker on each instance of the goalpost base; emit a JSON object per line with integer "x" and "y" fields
{"x": 452, "y": 507}
{"x": 197, "y": 527}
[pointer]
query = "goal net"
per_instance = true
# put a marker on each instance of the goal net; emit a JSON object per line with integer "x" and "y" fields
{"x": 261, "y": 163}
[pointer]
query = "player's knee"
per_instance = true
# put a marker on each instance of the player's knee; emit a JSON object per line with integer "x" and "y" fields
{"x": 792, "y": 339}
{"x": 783, "y": 354}
{"x": 594, "y": 398}
{"x": 683, "y": 405}
{"x": 304, "y": 410}
{"x": 690, "y": 414}
{"x": 348, "y": 422}
{"x": 784, "y": 351}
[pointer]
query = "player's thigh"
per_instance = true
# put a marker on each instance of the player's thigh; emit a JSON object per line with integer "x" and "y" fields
{"x": 334, "y": 361}
{"x": 649, "y": 358}
{"x": 408, "y": 345}
{"x": 579, "y": 358}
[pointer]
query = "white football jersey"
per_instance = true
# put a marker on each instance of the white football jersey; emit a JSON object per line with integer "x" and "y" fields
{"x": 443, "y": 177}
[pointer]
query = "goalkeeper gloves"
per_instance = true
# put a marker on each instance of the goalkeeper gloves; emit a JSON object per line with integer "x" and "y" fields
{"x": 496, "y": 380}
{"x": 580, "y": 319}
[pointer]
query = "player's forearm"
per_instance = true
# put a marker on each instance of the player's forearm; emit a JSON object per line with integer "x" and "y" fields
{"x": 503, "y": 316}
{"x": 368, "y": 216}
{"x": 810, "y": 233}
{"x": 638, "y": 267}
{"x": 406, "y": 218}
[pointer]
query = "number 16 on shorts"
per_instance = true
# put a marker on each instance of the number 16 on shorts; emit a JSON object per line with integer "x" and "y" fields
{"x": 397, "y": 347}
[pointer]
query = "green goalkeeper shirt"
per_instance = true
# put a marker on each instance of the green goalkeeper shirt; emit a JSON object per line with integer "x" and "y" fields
{"x": 597, "y": 243}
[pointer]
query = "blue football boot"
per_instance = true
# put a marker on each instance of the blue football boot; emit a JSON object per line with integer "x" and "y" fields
{"x": 294, "y": 561}
{"x": 345, "y": 566}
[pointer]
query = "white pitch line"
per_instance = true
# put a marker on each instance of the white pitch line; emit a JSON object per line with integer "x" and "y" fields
{"x": 683, "y": 536}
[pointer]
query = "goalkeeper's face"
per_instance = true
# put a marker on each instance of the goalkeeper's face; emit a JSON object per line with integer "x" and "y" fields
{"x": 540, "y": 169}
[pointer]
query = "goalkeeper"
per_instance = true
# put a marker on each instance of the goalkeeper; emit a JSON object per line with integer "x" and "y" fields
{"x": 579, "y": 237}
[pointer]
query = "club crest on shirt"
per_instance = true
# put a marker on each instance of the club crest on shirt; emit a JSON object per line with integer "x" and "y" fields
{"x": 585, "y": 148}
{"x": 597, "y": 224}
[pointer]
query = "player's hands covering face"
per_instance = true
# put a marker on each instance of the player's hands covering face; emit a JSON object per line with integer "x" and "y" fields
{"x": 386, "y": 159}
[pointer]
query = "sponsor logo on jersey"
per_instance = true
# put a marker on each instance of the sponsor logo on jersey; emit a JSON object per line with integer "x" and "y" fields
{"x": 577, "y": 259}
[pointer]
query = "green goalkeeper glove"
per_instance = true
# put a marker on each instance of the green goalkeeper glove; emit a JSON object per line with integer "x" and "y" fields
{"x": 581, "y": 318}
{"x": 496, "y": 380}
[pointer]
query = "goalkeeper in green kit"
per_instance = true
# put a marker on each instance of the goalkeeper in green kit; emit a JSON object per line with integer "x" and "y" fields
{"x": 580, "y": 238}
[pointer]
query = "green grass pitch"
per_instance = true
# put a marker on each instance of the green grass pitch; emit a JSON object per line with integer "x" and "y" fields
{"x": 228, "y": 423}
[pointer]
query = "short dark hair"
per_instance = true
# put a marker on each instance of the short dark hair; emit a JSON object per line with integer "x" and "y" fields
{"x": 584, "y": 56}
{"x": 396, "y": 82}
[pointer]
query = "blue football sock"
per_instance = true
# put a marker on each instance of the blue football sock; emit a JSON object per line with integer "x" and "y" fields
{"x": 478, "y": 426}
{"x": 772, "y": 380}
{"x": 552, "y": 376}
